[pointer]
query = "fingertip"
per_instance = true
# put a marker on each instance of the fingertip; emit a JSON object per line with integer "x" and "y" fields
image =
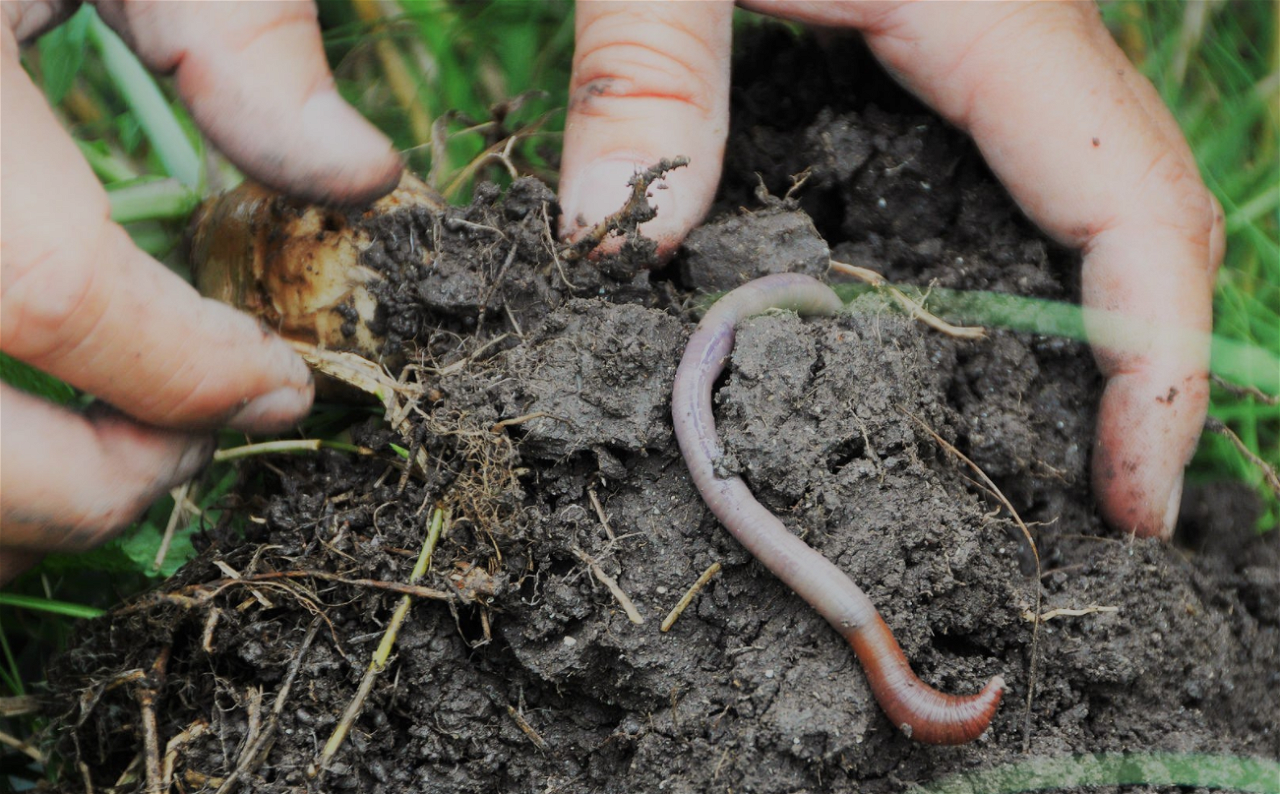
{"x": 1173, "y": 505}
{"x": 327, "y": 154}
{"x": 256, "y": 81}
{"x": 1147, "y": 434}
{"x": 650, "y": 81}
{"x": 277, "y": 409}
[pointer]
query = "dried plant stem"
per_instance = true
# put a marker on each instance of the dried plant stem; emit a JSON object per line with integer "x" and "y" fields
{"x": 147, "y": 693}
{"x": 179, "y": 505}
{"x": 1268, "y": 471}
{"x": 1063, "y": 612}
{"x": 635, "y": 209}
{"x": 26, "y": 749}
{"x": 381, "y": 655}
{"x": 687, "y": 598}
{"x": 611, "y": 584}
{"x": 908, "y": 304}
{"x": 255, "y": 752}
{"x": 1035, "y": 627}
{"x": 1246, "y": 391}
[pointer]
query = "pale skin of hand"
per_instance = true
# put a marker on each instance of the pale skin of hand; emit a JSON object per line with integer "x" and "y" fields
{"x": 1080, "y": 139}
{"x": 80, "y": 301}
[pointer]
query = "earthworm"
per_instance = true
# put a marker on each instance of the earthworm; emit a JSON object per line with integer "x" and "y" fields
{"x": 919, "y": 711}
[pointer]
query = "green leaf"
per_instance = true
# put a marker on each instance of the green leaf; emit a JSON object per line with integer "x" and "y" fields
{"x": 141, "y": 548}
{"x": 62, "y": 55}
{"x": 109, "y": 168}
{"x": 132, "y": 552}
{"x": 129, "y": 130}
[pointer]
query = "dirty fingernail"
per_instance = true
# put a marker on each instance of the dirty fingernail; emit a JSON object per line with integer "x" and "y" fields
{"x": 598, "y": 190}
{"x": 602, "y": 189}
{"x": 273, "y": 411}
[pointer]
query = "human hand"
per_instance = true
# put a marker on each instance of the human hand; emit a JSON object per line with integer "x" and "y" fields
{"x": 1080, "y": 139}
{"x": 80, "y": 301}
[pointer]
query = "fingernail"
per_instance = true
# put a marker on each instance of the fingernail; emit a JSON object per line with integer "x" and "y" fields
{"x": 1172, "y": 507}
{"x": 193, "y": 459}
{"x": 287, "y": 362}
{"x": 602, "y": 190}
{"x": 273, "y": 411}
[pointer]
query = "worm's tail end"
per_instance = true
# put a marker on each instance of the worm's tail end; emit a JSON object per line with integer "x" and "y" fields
{"x": 921, "y": 712}
{"x": 933, "y": 717}
{"x": 954, "y": 719}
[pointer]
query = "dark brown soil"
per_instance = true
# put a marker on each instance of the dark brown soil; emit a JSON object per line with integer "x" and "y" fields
{"x": 546, "y": 684}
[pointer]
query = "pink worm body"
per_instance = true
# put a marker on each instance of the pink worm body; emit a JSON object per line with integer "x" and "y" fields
{"x": 921, "y": 712}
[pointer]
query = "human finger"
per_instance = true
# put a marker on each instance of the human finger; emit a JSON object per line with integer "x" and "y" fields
{"x": 80, "y": 301}
{"x": 1088, "y": 151}
{"x": 255, "y": 79}
{"x": 71, "y": 481}
{"x": 650, "y": 81}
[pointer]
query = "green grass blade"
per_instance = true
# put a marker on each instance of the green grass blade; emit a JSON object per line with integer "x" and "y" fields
{"x": 19, "y": 601}
{"x": 1238, "y": 362}
{"x": 159, "y": 123}
{"x": 150, "y": 199}
{"x": 11, "y": 676}
{"x": 108, "y": 167}
{"x": 1072, "y": 773}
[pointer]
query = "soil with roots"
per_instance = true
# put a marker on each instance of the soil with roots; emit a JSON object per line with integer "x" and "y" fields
{"x": 532, "y": 658}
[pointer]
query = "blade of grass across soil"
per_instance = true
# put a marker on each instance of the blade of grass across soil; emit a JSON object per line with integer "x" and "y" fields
{"x": 19, "y": 601}
{"x": 1238, "y": 362}
{"x": 1190, "y": 770}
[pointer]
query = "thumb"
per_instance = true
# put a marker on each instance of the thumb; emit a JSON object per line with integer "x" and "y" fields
{"x": 650, "y": 80}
